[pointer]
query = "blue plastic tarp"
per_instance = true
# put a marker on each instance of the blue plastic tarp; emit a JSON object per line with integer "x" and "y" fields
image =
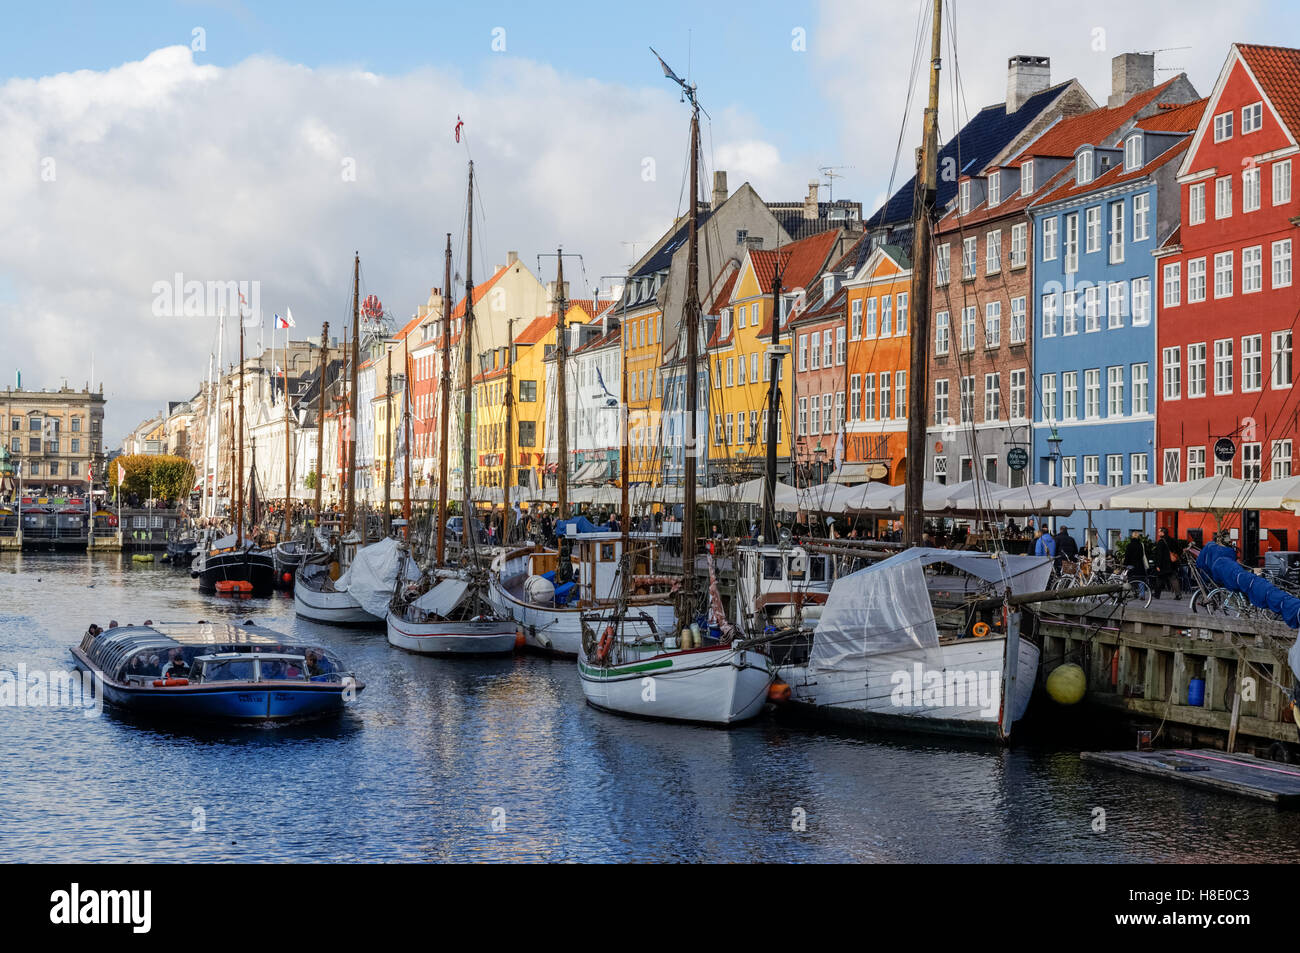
{"x": 1219, "y": 563}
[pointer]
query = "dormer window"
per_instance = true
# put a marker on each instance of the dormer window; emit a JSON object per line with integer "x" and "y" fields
{"x": 1083, "y": 168}
{"x": 995, "y": 188}
{"x": 1132, "y": 153}
{"x": 828, "y": 287}
{"x": 964, "y": 202}
{"x": 724, "y": 324}
{"x": 1027, "y": 178}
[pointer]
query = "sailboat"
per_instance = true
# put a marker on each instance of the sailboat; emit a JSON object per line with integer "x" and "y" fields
{"x": 448, "y": 612}
{"x": 232, "y": 562}
{"x": 683, "y": 673}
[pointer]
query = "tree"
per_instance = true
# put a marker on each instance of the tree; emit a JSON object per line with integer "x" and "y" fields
{"x": 172, "y": 477}
{"x": 309, "y": 481}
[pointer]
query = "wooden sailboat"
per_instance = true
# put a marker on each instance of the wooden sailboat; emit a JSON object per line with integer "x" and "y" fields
{"x": 447, "y": 611}
{"x": 680, "y": 674}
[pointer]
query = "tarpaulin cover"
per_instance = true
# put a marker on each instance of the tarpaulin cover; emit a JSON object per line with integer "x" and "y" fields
{"x": 579, "y": 524}
{"x": 371, "y": 577}
{"x": 1220, "y": 564}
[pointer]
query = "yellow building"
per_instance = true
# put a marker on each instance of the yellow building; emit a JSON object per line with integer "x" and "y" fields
{"x": 533, "y": 344}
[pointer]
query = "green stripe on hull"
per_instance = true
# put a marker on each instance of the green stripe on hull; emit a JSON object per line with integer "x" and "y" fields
{"x": 622, "y": 670}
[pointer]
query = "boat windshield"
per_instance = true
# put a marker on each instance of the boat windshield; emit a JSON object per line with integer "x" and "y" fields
{"x": 289, "y": 668}
{"x": 228, "y": 670}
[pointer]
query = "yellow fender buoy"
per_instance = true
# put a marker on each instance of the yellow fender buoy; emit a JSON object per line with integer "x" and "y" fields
{"x": 1067, "y": 684}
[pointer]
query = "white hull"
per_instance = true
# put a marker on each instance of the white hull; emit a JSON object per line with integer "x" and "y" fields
{"x": 453, "y": 638}
{"x": 334, "y": 608}
{"x": 879, "y": 696}
{"x": 716, "y": 685}
{"x": 558, "y": 631}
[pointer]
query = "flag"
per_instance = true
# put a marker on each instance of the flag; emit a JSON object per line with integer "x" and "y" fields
{"x": 121, "y": 474}
{"x": 839, "y": 450}
{"x": 459, "y": 123}
{"x": 667, "y": 72}
{"x": 286, "y": 321}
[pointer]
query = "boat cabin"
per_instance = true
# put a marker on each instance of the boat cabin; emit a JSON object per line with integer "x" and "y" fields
{"x": 774, "y": 582}
{"x": 593, "y": 573}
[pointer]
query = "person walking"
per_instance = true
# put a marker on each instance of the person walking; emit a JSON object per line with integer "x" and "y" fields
{"x": 1167, "y": 567}
{"x": 1046, "y": 545}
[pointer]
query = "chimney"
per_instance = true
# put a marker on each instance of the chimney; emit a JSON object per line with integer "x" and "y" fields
{"x": 511, "y": 258}
{"x": 550, "y": 293}
{"x": 1026, "y": 75}
{"x": 810, "y": 203}
{"x": 1130, "y": 74}
{"x": 719, "y": 190}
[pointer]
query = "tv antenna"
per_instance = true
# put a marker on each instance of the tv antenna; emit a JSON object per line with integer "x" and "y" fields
{"x": 832, "y": 172}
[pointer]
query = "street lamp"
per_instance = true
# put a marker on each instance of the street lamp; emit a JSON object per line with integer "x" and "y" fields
{"x": 1054, "y": 451}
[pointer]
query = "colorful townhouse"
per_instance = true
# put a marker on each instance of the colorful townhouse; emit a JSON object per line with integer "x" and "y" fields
{"x": 1225, "y": 335}
{"x": 533, "y": 345}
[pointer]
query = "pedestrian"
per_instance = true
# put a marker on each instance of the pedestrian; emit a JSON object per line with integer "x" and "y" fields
{"x": 1167, "y": 567}
{"x": 1046, "y": 546}
{"x": 1135, "y": 558}
{"x": 1066, "y": 547}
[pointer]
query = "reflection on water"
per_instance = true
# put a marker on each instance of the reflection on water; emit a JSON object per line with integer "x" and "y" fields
{"x": 502, "y": 760}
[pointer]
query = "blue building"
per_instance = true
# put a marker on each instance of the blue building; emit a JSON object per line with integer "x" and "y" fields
{"x": 1096, "y": 293}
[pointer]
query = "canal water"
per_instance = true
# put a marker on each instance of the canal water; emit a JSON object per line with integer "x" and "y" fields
{"x": 502, "y": 760}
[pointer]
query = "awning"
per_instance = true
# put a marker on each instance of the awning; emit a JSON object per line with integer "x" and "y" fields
{"x": 859, "y": 472}
{"x": 444, "y": 597}
{"x": 592, "y": 472}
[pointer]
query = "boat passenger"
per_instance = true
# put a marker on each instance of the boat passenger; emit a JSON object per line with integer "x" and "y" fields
{"x": 176, "y": 667}
{"x": 112, "y": 624}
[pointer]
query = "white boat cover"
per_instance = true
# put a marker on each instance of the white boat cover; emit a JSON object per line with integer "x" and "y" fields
{"x": 372, "y": 574}
{"x": 886, "y": 609}
{"x": 444, "y": 597}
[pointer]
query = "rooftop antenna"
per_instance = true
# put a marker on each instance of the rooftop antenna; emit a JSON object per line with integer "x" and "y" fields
{"x": 832, "y": 172}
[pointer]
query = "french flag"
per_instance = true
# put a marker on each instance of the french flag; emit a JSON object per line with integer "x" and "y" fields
{"x": 286, "y": 321}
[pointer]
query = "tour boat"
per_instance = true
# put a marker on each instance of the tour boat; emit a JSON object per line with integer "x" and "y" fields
{"x": 215, "y": 670}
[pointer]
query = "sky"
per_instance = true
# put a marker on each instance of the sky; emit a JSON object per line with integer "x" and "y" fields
{"x": 266, "y": 142}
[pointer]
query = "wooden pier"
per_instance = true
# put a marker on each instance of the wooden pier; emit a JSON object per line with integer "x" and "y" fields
{"x": 1236, "y": 774}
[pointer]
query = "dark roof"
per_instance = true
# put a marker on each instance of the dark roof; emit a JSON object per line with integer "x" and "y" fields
{"x": 973, "y": 148}
{"x": 791, "y": 217}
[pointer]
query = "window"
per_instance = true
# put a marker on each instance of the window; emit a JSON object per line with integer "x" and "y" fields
{"x": 1172, "y": 362}
{"x": 869, "y": 397}
{"x": 871, "y": 317}
{"x": 900, "y": 395}
{"x": 841, "y": 348}
{"x": 1132, "y": 153}
{"x": 1196, "y": 370}
{"x": 1223, "y": 196}
{"x": 941, "y": 402}
{"x": 968, "y": 328}
{"x": 1072, "y": 242}
{"x": 1250, "y": 190}
{"x": 1093, "y": 227}
{"x": 1049, "y": 239}
{"x": 1141, "y": 302}
{"x": 527, "y": 433}
{"x": 941, "y": 333}
{"x": 1114, "y": 469}
{"x": 803, "y": 416}
{"x": 1282, "y": 182}
{"x": 1070, "y": 395}
{"x": 815, "y": 349}
{"x": 1281, "y": 359}
{"x": 1196, "y": 280}
{"x": 886, "y": 316}
{"x": 1069, "y": 471}
{"x": 753, "y": 364}
{"x": 731, "y": 371}
{"x": 717, "y": 376}
{"x": 1141, "y": 389}
{"x": 1252, "y": 118}
{"x": 1196, "y": 204}
{"x": 1195, "y": 463}
{"x": 1252, "y": 362}
{"x": 964, "y": 199}
{"x": 993, "y": 324}
{"x": 855, "y": 319}
{"x": 942, "y": 257}
{"x": 1092, "y": 393}
{"x": 1282, "y": 263}
{"x": 76, "y": 445}
{"x": 1070, "y": 313}
{"x": 1252, "y": 458}
{"x": 1115, "y": 391}
{"x": 884, "y": 396}
{"x": 740, "y": 429}
{"x": 827, "y": 426}
{"x": 1019, "y": 238}
{"x": 901, "y": 323}
{"x": 941, "y": 470}
{"x": 1048, "y": 389}
{"x": 1223, "y": 274}
{"x": 1116, "y": 304}
{"x": 1138, "y": 471}
{"x": 828, "y": 349}
{"x": 740, "y": 315}
{"x": 839, "y": 410}
{"x": 1019, "y": 395}
{"x": 1091, "y": 469}
{"x": 995, "y": 188}
{"x": 855, "y": 396}
{"x": 1141, "y": 217}
{"x": 740, "y": 369}
{"x": 1092, "y": 309}
{"x": 731, "y": 429}
{"x": 968, "y": 257}
{"x": 1083, "y": 167}
{"x": 1027, "y": 177}
{"x": 967, "y": 399}
{"x": 993, "y": 252}
{"x": 1222, "y": 469}
{"x": 1222, "y": 127}
{"x": 1049, "y": 315}
{"x": 34, "y": 423}
{"x": 1281, "y": 457}
{"x": 528, "y": 391}
{"x": 992, "y": 396}
{"x": 1116, "y": 232}
{"x": 76, "y": 425}
{"x": 1173, "y": 285}
{"x": 1172, "y": 466}
{"x": 803, "y": 352}
{"x": 1018, "y": 320}
{"x": 1252, "y": 269}
{"x": 1223, "y": 366}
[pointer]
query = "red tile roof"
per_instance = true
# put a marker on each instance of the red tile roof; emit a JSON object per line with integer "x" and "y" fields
{"x": 483, "y": 377}
{"x": 1114, "y": 176}
{"x": 801, "y": 262}
{"x": 479, "y": 291}
{"x": 537, "y": 330}
{"x": 1184, "y": 117}
{"x": 1278, "y": 70}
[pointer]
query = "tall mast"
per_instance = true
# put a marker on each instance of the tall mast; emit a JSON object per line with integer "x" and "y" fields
{"x": 691, "y": 316}
{"x": 773, "y": 410}
{"x": 216, "y": 455}
{"x": 625, "y": 465}
{"x": 467, "y": 415}
{"x": 510, "y": 422}
{"x": 341, "y": 404}
{"x": 406, "y": 436}
{"x": 320, "y": 413}
{"x": 239, "y": 476}
{"x": 561, "y": 398}
{"x": 352, "y": 396}
{"x": 445, "y": 410}
{"x": 388, "y": 444}
{"x": 923, "y": 217}
{"x": 288, "y": 472}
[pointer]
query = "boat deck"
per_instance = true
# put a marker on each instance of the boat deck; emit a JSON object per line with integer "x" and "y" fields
{"x": 1239, "y": 774}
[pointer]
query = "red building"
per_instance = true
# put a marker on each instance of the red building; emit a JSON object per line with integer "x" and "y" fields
{"x": 1227, "y": 301}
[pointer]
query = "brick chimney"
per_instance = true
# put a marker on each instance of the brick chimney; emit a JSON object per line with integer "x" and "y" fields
{"x": 810, "y": 203}
{"x": 1026, "y": 75}
{"x": 1130, "y": 74}
{"x": 719, "y": 190}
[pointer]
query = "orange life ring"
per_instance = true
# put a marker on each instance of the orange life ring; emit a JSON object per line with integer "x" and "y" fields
{"x": 980, "y": 629}
{"x": 169, "y": 682}
{"x": 606, "y": 643}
